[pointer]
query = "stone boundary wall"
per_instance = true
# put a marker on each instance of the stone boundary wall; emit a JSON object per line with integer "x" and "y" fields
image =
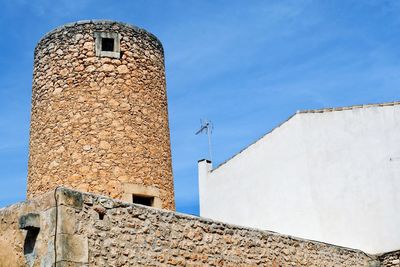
{"x": 12, "y": 238}
{"x": 121, "y": 234}
{"x": 93, "y": 230}
{"x": 390, "y": 259}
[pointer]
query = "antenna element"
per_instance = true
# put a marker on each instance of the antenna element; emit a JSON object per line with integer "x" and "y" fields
{"x": 206, "y": 127}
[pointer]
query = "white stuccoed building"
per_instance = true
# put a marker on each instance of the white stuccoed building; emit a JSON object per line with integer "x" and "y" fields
{"x": 331, "y": 175}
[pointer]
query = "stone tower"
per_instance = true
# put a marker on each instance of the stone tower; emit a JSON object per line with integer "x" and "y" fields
{"x": 99, "y": 119}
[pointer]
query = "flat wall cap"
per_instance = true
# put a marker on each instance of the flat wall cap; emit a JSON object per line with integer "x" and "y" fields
{"x": 206, "y": 160}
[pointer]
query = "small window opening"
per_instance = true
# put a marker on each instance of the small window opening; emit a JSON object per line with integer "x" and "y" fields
{"x": 143, "y": 200}
{"x": 101, "y": 212}
{"x": 30, "y": 240}
{"x": 107, "y": 44}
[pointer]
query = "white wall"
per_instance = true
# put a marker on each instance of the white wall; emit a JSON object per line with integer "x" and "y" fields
{"x": 322, "y": 176}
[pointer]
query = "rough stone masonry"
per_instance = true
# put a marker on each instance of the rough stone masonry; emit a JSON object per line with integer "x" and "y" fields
{"x": 99, "y": 119}
{"x": 82, "y": 229}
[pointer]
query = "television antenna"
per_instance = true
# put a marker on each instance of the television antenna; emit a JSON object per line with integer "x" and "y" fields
{"x": 206, "y": 127}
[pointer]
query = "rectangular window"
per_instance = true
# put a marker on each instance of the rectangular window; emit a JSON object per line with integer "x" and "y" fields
{"x": 107, "y": 44}
{"x": 143, "y": 200}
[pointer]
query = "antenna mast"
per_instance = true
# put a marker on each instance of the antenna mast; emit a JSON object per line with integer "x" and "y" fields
{"x": 206, "y": 127}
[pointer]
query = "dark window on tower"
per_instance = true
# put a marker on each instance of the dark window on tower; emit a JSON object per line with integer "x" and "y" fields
{"x": 107, "y": 44}
{"x": 143, "y": 200}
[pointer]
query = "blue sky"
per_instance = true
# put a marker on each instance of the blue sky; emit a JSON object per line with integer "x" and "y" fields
{"x": 246, "y": 65}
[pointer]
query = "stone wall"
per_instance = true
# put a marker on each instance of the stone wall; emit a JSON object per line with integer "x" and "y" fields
{"x": 391, "y": 259}
{"x": 122, "y": 234}
{"x": 13, "y": 250}
{"x": 100, "y": 124}
{"x": 98, "y": 231}
{"x": 11, "y": 239}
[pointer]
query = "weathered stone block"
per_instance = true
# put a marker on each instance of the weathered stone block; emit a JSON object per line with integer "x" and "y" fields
{"x": 66, "y": 220}
{"x": 69, "y": 198}
{"x": 71, "y": 264}
{"x": 72, "y": 248}
{"x": 29, "y": 221}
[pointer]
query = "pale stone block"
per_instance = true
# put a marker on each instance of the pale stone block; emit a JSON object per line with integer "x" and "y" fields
{"x": 73, "y": 248}
{"x": 69, "y": 198}
{"x": 66, "y": 220}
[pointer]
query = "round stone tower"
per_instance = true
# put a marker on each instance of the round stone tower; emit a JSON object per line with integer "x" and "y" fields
{"x": 99, "y": 119}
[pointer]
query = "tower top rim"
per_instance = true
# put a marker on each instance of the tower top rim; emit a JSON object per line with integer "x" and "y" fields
{"x": 98, "y": 22}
